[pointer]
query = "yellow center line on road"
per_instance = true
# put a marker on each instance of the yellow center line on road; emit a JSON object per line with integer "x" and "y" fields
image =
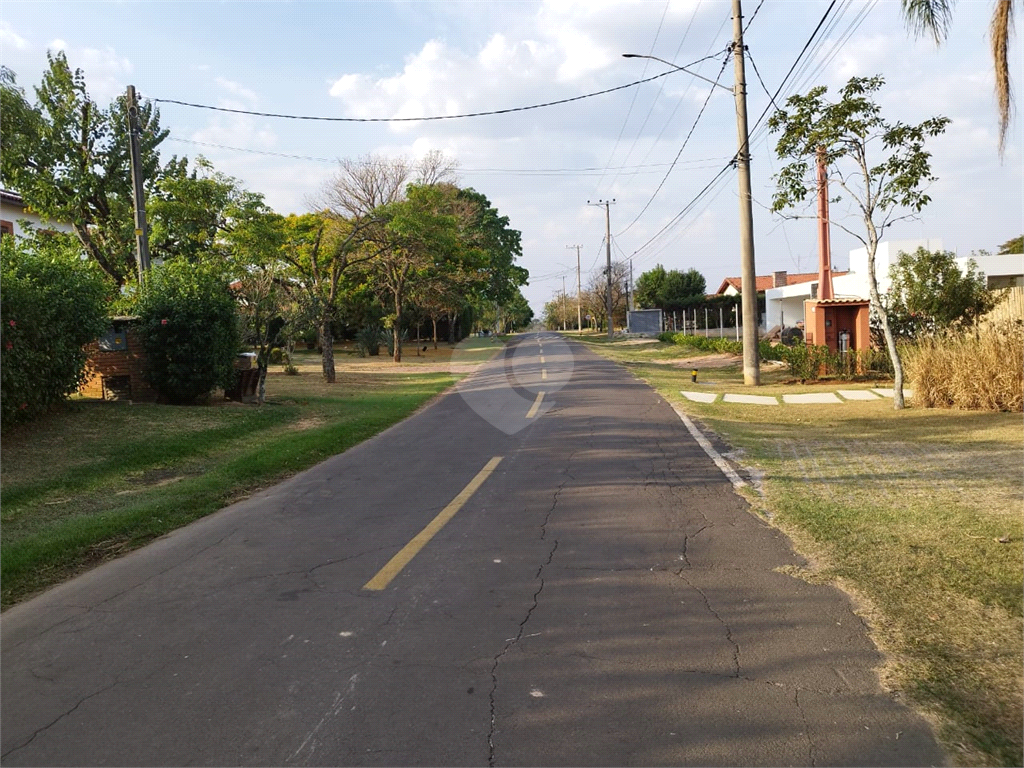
{"x": 536, "y": 405}
{"x": 542, "y": 358}
{"x": 543, "y": 373}
{"x": 420, "y": 540}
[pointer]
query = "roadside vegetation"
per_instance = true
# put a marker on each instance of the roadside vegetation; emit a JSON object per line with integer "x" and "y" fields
{"x": 916, "y": 513}
{"x": 95, "y": 480}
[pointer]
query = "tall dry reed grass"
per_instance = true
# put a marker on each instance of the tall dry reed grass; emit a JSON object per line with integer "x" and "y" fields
{"x": 977, "y": 369}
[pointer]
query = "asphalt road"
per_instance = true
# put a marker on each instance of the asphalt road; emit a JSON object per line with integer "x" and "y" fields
{"x": 596, "y": 596}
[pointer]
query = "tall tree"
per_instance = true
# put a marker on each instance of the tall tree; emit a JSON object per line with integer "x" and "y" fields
{"x": 648, "y": 288}
{"x": 68, "y": 158}
{"x": 933, "y": 17}
{"x": 1014, "y": 245}
{"x": 319, "y": 249}
{"x": 883, "y": 189}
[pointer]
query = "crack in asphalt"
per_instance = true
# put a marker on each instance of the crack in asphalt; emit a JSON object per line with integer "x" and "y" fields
{"x": 492, "y": 697}
{"x": 728, "y": 629}
{"x": 807, "y": 732}
{"x": 57, "y": 719}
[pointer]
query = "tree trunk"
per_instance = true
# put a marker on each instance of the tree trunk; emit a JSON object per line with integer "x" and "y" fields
{"x": 883, "y": 317}
{"x": 434, "y": 321}
{"x": 261, "y": 389}
{"x": 327, "y": 345}
{"x": 451, "y": 328}
{"x": 397, "y": 330}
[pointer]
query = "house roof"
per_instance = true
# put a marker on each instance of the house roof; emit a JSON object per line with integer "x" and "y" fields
{"x": 11, "y": 197}
{"x": 764, "y": 282}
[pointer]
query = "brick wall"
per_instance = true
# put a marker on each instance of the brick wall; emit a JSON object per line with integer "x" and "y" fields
{"x": 106, "y": 372}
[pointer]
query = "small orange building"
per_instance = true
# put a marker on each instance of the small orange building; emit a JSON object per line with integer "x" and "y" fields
{"x": 839, "y": 324}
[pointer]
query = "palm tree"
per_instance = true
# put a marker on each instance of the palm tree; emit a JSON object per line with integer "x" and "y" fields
{"x": 932, "y": 17}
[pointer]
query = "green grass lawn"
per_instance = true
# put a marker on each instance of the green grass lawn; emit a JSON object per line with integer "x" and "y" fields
{"x": 905, "y": 511}
{"x": 99, "y": 479}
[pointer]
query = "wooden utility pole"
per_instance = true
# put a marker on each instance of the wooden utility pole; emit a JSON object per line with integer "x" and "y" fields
{"x": 579, "y": 292}
{"x": 563, "y": 302}
{"x": 608, "y": 254}
{"x": 751, "y": 362}
{"x": 135, "y": 153}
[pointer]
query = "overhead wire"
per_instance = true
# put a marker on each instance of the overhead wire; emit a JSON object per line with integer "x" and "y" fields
{"x": 700, "y": 114}
{"x": 636, "y": 93}
{"x": 675, "y": 220}
{"x": 506, "y": 111}
{"x": 661, "y": 90}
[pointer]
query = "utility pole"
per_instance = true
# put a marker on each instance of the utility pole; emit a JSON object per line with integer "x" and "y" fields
{"x": 135, "y": 152}
{"x": 579, "y": 292}
{"x": 563, "y": 302}
{"x": 608, "y": 254}
{"x": 751, "y": 363}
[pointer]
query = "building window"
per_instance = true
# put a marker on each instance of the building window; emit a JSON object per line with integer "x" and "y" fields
{"x": 6, "y": 228}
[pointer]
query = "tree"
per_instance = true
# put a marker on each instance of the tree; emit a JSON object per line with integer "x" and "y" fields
{"x": 319, "y": 249}
{"x": 929, "y": 293}
{"x": 668, "y": 291}
{"x": 680, "y": 288}
{"x": 53, "y": 304}
{"x": 420, "y": 237}
{"x": 189, "y": 330}
{"x": 68, "y": 158}
{"x": 647, "y": 294}
{"x": 851, "y": 132}
{"x": 1015, "y": 245}
{"x": 933, "y": 17}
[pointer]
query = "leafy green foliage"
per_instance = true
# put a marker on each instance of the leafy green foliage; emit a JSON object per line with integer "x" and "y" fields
{"x": 53, "y": 304}
{"x": 847, "y": 135}
{"x": 928, "y": 292}
{"x": 669, "y": 290}
{"x": 1014, "y": 245}
{"x": 190, "y": 330}
{"x": 68, "y": 158}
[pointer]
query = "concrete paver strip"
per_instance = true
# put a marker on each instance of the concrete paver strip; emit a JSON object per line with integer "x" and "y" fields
{"x": 750, "y": 399}
{"x": 812, "y": 397}
{"x": 699, "y": 397}
{"x": 890, "y": 392}
{"x": 858, "y": 394}
{"x": 603, "y": 598}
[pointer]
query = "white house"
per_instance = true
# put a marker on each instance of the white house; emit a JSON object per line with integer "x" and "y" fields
{"x": 14, "y": 213}
{"x": 785, "y": 305}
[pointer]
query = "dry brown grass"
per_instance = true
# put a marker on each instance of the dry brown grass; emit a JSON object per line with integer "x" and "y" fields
{"x": 981, "y": 369}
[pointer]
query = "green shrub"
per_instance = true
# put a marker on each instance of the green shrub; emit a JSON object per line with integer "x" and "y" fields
{"x": 276, "y": 356}
{"x": 53, "y": 304}
{"x": 190, "y": 330}
{"x": 370, "y": 338}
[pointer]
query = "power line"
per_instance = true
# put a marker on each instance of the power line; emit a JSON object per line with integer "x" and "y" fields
{"x": 636, "y": 93}
{"x": 680, "y": 152}
{"x": 585, "y": 171}
{"x": 415, "y": 119}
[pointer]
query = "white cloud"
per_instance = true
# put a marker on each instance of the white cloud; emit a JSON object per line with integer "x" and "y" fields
{"x": 237, "y": 89}
{"x": 10, "y": 38}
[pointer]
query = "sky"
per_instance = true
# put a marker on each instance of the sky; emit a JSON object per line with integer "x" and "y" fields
{"x": 540, "y": 167}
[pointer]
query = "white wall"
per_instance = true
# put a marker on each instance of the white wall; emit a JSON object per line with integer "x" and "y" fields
{"x": 18, "y": 215}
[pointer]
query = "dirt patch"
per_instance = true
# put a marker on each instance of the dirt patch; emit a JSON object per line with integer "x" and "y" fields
{"x": 717, "y": 360}
{"x": 310, "y": 422}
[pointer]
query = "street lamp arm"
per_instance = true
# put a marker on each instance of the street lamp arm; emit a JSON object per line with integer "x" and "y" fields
{"x": 676, "y": 66}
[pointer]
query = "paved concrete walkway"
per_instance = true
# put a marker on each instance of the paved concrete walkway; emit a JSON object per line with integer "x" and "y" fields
{"x": 840, "y": 396}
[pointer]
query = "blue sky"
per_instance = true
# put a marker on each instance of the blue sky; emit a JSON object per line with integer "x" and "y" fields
{"x": 388, "y": 59}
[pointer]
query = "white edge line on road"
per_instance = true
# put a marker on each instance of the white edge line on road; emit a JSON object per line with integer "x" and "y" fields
{"x": 729, "y": 472}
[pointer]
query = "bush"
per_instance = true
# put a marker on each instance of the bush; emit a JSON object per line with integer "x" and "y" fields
{"x": 973, "y": 370}
{"x": 53, "y": 304}
{"x": 370, "y": 338}
{"x": 277, "y": 356}
{"x": 189, "y": 329}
